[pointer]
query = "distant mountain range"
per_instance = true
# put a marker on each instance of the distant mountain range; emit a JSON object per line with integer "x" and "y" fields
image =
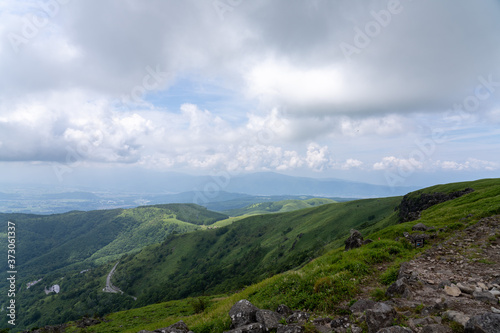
{"x": 217, "y": 192}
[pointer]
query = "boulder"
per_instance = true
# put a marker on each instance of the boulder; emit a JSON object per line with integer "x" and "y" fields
{"x": 284, "y": 310}
{"x": 290, "y": 329}
{"x": 452, "y": 290}
{"x": 354, "y": 241}
{"x": 436, "y": 328}
{"x": 398, "y": 288}
{"x": 485, "y": 296}
{"x": 178, "y": 327}
{"x": 250, "y": 328}
{"x": 419, "y": 227}
{"x": 269, "y": 319}
{"x": 323, "y": 325}
{"x": 456, "y": 316}
{"x": 484, "y": 323}
{"x": 242, "y": 313}
{"x": 362, "y": 305}
{"x": 395, "y": 329}
{"x": 380, "y": 316}
{"x": 298, "y": 317}
{"x": 465, "y": 288}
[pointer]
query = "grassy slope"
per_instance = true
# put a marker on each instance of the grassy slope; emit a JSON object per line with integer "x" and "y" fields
{"x": 217, "y": 260}
{"x": 278, "y": 206}
{"x": 329, "y": 280}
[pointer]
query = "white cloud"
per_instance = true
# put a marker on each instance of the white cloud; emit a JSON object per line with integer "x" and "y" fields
{"x": 469, "y": 164}
{"x": 392, "y": 162}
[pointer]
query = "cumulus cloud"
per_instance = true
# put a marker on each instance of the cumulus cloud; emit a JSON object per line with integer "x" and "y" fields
{"x": 279, "y": 91}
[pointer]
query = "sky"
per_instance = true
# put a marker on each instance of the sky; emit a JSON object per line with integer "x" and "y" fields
{"x": 387, "y": 92}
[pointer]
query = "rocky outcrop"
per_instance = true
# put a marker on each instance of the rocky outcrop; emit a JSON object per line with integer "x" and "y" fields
{"x": 243, "y": 313}
{"x": 354, "y": 241}
{"x": 178, "y": 327}
{"x": 380, "y": 316}
{"x": 411, "y": 207}
{"x": 484, "y": 323}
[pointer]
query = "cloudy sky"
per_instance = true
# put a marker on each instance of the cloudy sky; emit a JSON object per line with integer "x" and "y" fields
{"x": 389, "y": 92}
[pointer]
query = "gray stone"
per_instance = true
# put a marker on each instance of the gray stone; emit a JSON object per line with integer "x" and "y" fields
{"x": 298, "y": 317}
{"x": 456, "y": 316}
{"x": 436, "y": 328}
{"x": 250, "y": 328}
{"x": 484, "y": 323}
{"x": 485, "y": 296}
{"x": 398, "y": 288}
{"x": 242, "y": 313}
{"x": 354, "y": 241}
{"x": 464, "y": 288}
{"x": 178, "y": 327}
{"x": 284, "y": 310}
{"x": 269, "y": 319}
{"x": 290, "y": 329}
{"x": 419, "y": 227}
{"x": 395, "y": 329}
{"x": 380, "y": 316}
{"x": 362, "y": 305}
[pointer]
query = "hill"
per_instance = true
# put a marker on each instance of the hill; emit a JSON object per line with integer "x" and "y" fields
{"x": 82, "y": 239}
{"x": 337, "y": 279}
{"x": 278, "y": 206}
{"x": 281, "y": 248}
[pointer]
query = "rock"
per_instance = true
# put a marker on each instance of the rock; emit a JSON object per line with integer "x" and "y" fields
{"x": 322, "y": 325}
{"x": 298, "y": 317}
{"x": 269, "y": 319}
{"x": 485, "y": 296}
{"x": 411, "y": 206}
{"x": 419, "y": 227}
{"x": 145, "y": 331}
{"x": 354, "y": 241}
{"x": 178, "y": 327}
{"x": 290, "y": 329}
{"x": 380, "y": 316}
{"x": 482, "y": 286}
{"x": 242, "y": 313}
{"x": 444, "y": 283}
{"x": 456, "y": 316}
{"x": 495, "y": 292}
{"x": 464, "y": 288}
{"x": 452, "y": 290}
{"x": 250, "y": 328}
{"x": 341, "y": 322}
{"x": 495, "y": 310}
{"x": 436, "y": 328}
{"x": 362, "y": 305}
{"x": 395, "y": 329}
{"x": 284, "y": 310}
{"x": 420, "y": 322}
{"x": 484, "y": 323}
{"x": 398, "y": 288}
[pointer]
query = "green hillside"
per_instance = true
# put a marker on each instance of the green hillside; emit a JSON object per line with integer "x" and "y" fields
{"x": 215, "y": 261}
{"x": 323, "y": 285}
{"x": 297, "y": 256}
{"x": 82, "y": 239}
{"x": 278, "y": 206}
